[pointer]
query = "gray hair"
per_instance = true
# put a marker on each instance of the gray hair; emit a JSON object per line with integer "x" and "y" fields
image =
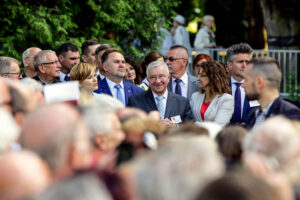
{"x": 40, "y": 58}
{"x": 279, "y": 144}
{"x": 9, "y": 130}
{"x": 236, "y": 49}
{"x": 5, "y": 64}
{"x": 108, "y": 103}
{"x": 32, "y": 84}
{"x": 97, "y": 121}
{"x": 156, "y": 63}
{"x": 268, "y": 68}
{"x": 80, "y": 187}
{"x": 207, "y": 18}
{"x": 182, "y": 162}
{"x": 26, "y": 53}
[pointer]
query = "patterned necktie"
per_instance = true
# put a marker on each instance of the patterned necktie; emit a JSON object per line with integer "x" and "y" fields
{"x": 119, "y": 93}
{"x": 160, "y": 106}
{"x": 67, "y": 78}
{"x": 237, "y": 103}
{"x": 178, "y": 87}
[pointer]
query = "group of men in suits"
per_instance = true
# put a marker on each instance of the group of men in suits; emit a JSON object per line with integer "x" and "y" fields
{"x": 111, "y": 71}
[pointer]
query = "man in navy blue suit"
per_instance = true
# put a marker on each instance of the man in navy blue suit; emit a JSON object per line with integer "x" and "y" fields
{"x": 113, "y": 63}
{"x": 238, "y": 55}
{"x": 173, "y": 108}
{"x": 262, "y": 80}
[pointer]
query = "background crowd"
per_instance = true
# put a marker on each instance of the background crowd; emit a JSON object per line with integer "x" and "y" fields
{"x": 147, "y": 129}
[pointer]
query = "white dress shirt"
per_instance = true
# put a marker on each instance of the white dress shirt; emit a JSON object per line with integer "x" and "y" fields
{"x": 165, "y": 95}
{"x": 183, "y": 84}
{"x": 62, "y": 76}
{"x": 114, "y": 90}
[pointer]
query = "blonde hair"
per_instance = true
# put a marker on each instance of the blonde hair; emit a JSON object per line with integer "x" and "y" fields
{"x": 81, "y": 71}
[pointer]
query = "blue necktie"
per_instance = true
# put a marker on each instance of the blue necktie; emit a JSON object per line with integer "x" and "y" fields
{"x": 178, "y": 87}
{"x": 237, "y": 103}
{"x": 119, "y": 93}
{"x": 160, "y": 106}
{"x": 67, "y": 78}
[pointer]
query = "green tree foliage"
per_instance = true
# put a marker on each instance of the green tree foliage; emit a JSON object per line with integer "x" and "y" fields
{"x": 47, "y": 24}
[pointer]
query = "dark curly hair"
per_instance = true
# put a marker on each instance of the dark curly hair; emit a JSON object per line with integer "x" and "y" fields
{"x": 218, "y": 78}
{"x": 135, "y": 66}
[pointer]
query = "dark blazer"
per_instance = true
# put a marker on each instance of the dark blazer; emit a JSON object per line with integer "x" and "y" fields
{"x": 37, "y": 78}
{"x": 176, "y": 105}
{"x": 246, "y": 110}
{"x": 279, "y": 107}
{"x": 129, "y": 89}
{"x": 193, "y": 86}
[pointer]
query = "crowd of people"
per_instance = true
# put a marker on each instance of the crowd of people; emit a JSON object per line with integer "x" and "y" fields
{"x": 147, "y": 129}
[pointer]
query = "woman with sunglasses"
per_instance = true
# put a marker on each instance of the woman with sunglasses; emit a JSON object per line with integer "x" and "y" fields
{"x": 213, "y": 102}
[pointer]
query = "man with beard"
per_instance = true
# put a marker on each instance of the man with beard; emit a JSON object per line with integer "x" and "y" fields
{"x": 238, "y": 55}
{"x": 262, "y": 80}
{"x": 113, "y": 63}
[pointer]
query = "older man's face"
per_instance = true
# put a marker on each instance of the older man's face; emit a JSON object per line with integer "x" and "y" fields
{"x": 177, "y": 61}
{"x": 52, "y": 66}
{"x": 158, "y": 79}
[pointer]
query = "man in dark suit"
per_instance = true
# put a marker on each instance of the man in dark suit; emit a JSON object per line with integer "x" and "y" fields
{"x": 173, "y": 108}
{"x": 262, "y": 80}
{"x": 238, "y": 55}
{"x": 115, "y": 70}
{"x": 181, "y": 82}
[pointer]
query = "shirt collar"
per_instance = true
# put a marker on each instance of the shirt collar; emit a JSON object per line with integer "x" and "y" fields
{"x": 112, "y": 84}
{"x": 165, "y": 95}
{"x": 235, "y": 81}
{"x": 184, "y": 78}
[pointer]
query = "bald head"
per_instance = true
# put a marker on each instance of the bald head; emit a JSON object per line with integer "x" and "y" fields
{"x": 53, "y": 131}
{"x": 17, "y": 181}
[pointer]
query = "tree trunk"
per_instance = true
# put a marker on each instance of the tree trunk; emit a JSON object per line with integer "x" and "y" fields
{"x": 283, "y": 31}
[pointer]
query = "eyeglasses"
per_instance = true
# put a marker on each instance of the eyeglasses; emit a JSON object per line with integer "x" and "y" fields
{"x": 160, "y": 77}
{"x": 14, "y": 73}
{"x": 171, "y": 59}
{"x": 50, "y": 63}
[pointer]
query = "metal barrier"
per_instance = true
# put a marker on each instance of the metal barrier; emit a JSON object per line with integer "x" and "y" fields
{"x": 289, "y": 61}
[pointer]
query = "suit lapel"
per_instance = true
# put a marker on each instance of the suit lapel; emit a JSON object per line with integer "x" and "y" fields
{"x": 170, "y": 105}
{"x": 150, "y": 100}
{"x": 105, "y": 87}
{"x": 210, "y": 107}
{"x": 127, "y": 91}
{"x": 170, "y": 88}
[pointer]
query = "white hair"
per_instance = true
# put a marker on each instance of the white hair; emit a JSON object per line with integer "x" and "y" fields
{"x": 276, "y": 138}
{"x": 32, "y": 84}
{"x": 9, "y": 130}
{"x": 207, "y": 18}
{"x": 178, "y": 170}
{"x": 108, "y": 103}
{"x": 97, "y": 120}
{"x": 156, "y": 63}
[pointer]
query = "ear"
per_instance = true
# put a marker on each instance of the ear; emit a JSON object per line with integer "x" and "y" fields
{"x": 25, "y": 61}
{"x": 101, "y": 142}
{"x": 60, "y": 58}
{"x": 260, "y": 81}
{"x": 19, "y": 116}
{"x": 84, "y": 58}
{"x": 105, "y": 66}
{"x": 229, "y": 66}
{"x": 41, "y": 68}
